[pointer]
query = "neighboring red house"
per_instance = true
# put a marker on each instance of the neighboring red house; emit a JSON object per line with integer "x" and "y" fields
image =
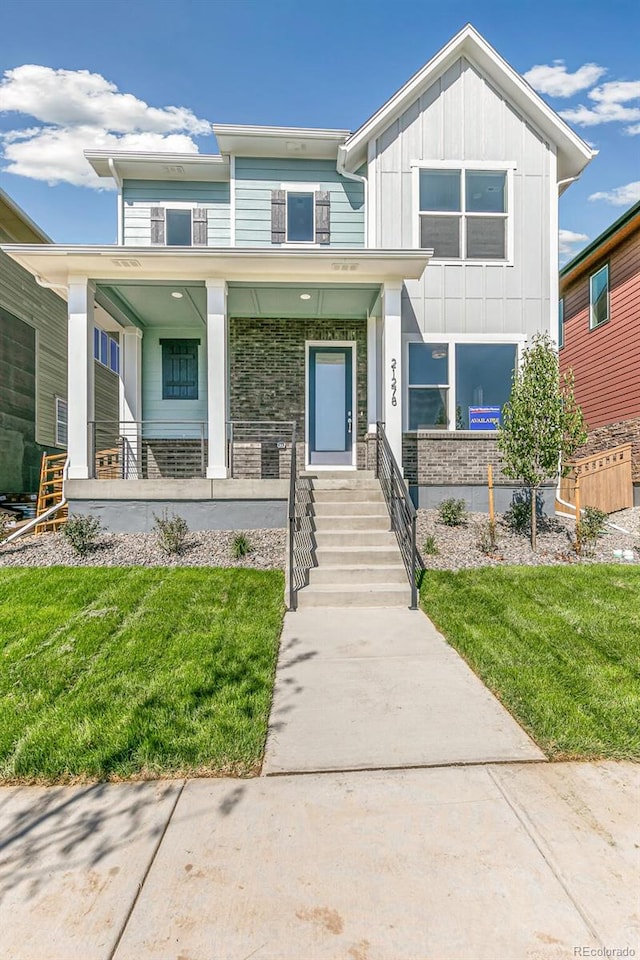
{"x": 600, "y": 335}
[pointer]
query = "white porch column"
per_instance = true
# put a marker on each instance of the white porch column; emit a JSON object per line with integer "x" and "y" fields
{"x": 131, "y": 400}
{"x": 80, "y": 378}
{"x": 392, "y": 376}
{"x": 217, "y": 378}
{"x": 372, "y": 373}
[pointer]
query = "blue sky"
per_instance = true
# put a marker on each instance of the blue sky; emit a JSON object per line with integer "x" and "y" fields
{"x": 305, "y": 63}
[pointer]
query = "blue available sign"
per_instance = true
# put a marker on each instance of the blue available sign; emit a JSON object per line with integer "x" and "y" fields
{"x": 485, "y": 418}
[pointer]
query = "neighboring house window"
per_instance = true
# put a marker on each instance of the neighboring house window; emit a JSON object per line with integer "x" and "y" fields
{"x": 481, "y": 372}
{"x": 561, "y": 323}
{"x": 463, "y": 213}
{"x": 106, "y": 350}
{"x": 599, "y": 297}
{"x": 180, "y": 369}
{"x": 428, "y": 386}
{"x": 176, "y": 226}
{"x": 300, "y": 214}
{"x": 61, "y": 422}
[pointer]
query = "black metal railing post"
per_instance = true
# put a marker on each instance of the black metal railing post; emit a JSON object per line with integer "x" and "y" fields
{"x": 293, "y": 598}
{"x": 92, "y": 448}
{"x": 203, "y": 462}
{"x": 402, "y": 512}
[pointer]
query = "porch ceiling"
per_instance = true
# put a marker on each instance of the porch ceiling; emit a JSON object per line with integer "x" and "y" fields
{"x": 148, "y": 303}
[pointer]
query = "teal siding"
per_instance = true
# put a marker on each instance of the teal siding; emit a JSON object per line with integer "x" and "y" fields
{"x": 140, "y": 195}
{"x": 153, "y": 406}
{"x": 256, "y": 178}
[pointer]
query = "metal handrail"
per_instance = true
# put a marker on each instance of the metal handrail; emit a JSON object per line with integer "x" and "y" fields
{"x": 293, "y": 595}
{"x": 402, "y": 512}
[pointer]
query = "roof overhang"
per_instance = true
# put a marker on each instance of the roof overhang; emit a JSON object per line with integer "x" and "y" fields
{"x": 251, "y": 141}
{"x": 602, "y": 246}
{"x": 58, "y": 264}
{"x": 18, "y": 224}
{"x": 573, "y": 153}
{"x": 131, "y": 165}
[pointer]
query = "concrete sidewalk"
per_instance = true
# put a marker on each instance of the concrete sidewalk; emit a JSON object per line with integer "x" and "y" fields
{"x": 380, "y": 688}
{"x": 503, "y": 862}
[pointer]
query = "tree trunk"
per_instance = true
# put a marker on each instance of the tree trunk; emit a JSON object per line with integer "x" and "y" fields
{"x": 534, "y": 516}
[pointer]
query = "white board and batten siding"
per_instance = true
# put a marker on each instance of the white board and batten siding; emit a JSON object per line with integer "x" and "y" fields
{"x": 139, "y": 196}
{"x": 463, "y": 117}
{"x": 256, "y": 178}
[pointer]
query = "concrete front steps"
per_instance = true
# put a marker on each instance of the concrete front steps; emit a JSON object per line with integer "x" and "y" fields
{"x": 358, "y": 560}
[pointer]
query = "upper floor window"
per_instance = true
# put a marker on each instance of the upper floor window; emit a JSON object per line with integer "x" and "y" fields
{"x": 179, "y": 226}
{"x": 561, "y": 323}
{"x": 300, "y": 218}
{"x": 463, "y": 213}
{"x": 599, "y": 297}
{"x": 106, "y": 349}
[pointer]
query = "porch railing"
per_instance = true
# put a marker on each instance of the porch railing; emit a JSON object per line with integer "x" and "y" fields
{"x": 178, "y": 449}
{"x": 300, "y": 532}
{"x": 402, "y": 512}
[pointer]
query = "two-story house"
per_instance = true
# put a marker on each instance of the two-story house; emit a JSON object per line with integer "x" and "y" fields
{"x": 324, "y": 278}
{"x": 599, "y": 336}
{"x": 33, "y": 361}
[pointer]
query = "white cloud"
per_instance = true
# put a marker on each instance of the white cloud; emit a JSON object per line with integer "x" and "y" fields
{"x": 568, "y": 240}
{"x": 554, "y": 80}
{"x": 617, "y": 101}
{"x": 623, "y": 196}
{"x": 78, "y": 110}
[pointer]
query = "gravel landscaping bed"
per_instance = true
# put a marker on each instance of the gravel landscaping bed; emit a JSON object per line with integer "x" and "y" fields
{"x": 207, "y": 548}
{"x": 458, "y": 547}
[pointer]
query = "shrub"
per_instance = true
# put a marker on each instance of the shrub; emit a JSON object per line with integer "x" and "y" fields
{"x": 430, "y": 546}
{"x": 589, "y": 529}
{"x": 171, "y": 532}
{"x": 452, "y": 512}
{"x": 240, "y": 546}
{"x": 81, "y": 532}
{"x": 518, "y": 516}
{"x": 487, "y": 537}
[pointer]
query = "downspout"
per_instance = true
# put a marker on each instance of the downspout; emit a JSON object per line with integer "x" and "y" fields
{"x": 49, "y": 286}
{"x": 358, "y": 179}
{"x": 118, "y": 181}
{"x": 41, "y": 518}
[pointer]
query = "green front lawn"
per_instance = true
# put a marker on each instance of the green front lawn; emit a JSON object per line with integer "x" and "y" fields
{"x": 560, "y": 647}
{"x": 121, "y": 672}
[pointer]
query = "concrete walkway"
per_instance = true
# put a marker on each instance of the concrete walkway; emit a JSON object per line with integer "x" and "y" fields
{"x": 378, "y": 688}
{"x": 503, "y": 862}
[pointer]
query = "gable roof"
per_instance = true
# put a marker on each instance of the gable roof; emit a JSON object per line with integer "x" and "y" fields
{"x": 573, "y": 153}
{"x": 18, "y": 224}
{"x": 614, "y": 234}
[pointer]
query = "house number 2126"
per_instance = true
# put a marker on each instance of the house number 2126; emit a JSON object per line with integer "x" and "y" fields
{"x": 394, "y": 384}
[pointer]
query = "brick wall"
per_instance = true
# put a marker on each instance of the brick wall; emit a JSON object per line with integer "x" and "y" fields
{"x": 267, "y": 368}
{"x": 438, "y": 457}
{"x": 613, "y": 435}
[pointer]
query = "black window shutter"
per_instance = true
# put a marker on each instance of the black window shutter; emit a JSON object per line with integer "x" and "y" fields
{"x": 157, "y": 225}
{"x": 179, "y": 369}
{"x": 278, "y": 216}
{"x": 323, "y": 217}
{"x": 199, "y": 221}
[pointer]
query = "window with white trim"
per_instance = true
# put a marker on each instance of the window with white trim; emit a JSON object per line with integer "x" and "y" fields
{"x": 106, "y": 350}
{"x": 301, "y": 225}
{"x": 178, "y": 227}
{"x": 463, "y": 213}
{"x": 459, "y": 386}
{"x": 61, "y": 422}
{"x": 599, "y": 297}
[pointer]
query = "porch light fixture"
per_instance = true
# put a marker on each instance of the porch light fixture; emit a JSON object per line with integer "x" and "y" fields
{"x": 439, "y": 353}
{"x": 305, "y": 296}
{"x": 176, "y": 294}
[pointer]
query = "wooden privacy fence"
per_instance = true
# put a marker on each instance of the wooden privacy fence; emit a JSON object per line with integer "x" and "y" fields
{"x": 602, "y": 480}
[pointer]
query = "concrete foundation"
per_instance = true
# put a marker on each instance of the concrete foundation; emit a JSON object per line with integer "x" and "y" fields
{"x": 476, "y": 496}
{"x": 137, "y": 516}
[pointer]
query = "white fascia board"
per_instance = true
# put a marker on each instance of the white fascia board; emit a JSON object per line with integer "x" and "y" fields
{"x": 131, "y": 164}
{"x": 572, "y": 149}
{"x": 297, "y": 142}
{"x": 251, "y": 264}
